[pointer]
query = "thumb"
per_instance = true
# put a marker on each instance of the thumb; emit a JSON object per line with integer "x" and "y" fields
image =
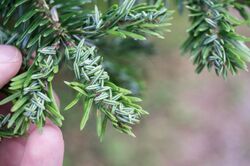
{"x": 10, "y": 63}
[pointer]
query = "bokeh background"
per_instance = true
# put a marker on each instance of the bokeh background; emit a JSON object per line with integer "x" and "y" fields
{"x": 195, "y": 120}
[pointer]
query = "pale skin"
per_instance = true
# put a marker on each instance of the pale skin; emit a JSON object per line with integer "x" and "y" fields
{"x": 37, "y": 148}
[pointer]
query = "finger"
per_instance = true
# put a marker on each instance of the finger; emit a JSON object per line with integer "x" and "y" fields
{"x": 44, "y": 148}
{"x": 11, "y": 151}
{"x": 10, "y": 63}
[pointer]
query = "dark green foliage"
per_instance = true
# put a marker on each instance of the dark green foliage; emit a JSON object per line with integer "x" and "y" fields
{"x": 57, "y": 32}
{"x": 32, "y": 95}
{"x": 53, "y": 32}
{"x": 213, "y": 40}
{"x": 115, "y": 102}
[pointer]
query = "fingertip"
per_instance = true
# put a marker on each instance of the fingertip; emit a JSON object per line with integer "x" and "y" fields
{"x": 11, "y": 149}
{"x": 46, "y": 146}
{"x": 10, "y": 63}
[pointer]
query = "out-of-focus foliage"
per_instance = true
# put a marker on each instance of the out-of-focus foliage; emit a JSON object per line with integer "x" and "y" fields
{"x": 213, "y": 40}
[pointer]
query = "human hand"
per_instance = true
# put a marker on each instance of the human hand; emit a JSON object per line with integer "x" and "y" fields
{"x": 38, "y": 148}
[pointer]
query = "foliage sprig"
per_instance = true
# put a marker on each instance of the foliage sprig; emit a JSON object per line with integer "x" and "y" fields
{"x": 56, "y": 32}
{"x": 213, "y": 40}
{"x": 51, "y": 32}
{"x": 94, "y": 85}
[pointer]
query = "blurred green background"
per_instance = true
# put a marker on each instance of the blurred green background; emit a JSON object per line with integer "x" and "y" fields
{"x": 195, "y": 120}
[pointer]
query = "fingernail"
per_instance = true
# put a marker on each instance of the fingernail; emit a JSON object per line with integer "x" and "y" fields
{"x": 9, "y": 54}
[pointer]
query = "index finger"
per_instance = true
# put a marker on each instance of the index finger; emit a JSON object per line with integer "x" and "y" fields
{"x": 10, "y": 63}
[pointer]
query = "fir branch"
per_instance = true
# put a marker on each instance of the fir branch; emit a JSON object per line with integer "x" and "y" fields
{"x": 43, "y": 30}
{"x": 56, "y": 31}
{"x": 126, "y": 20}
{"x": 31, "y": 94}
{"x": 94, "y": 85}
{"x": 213, "y": 41}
